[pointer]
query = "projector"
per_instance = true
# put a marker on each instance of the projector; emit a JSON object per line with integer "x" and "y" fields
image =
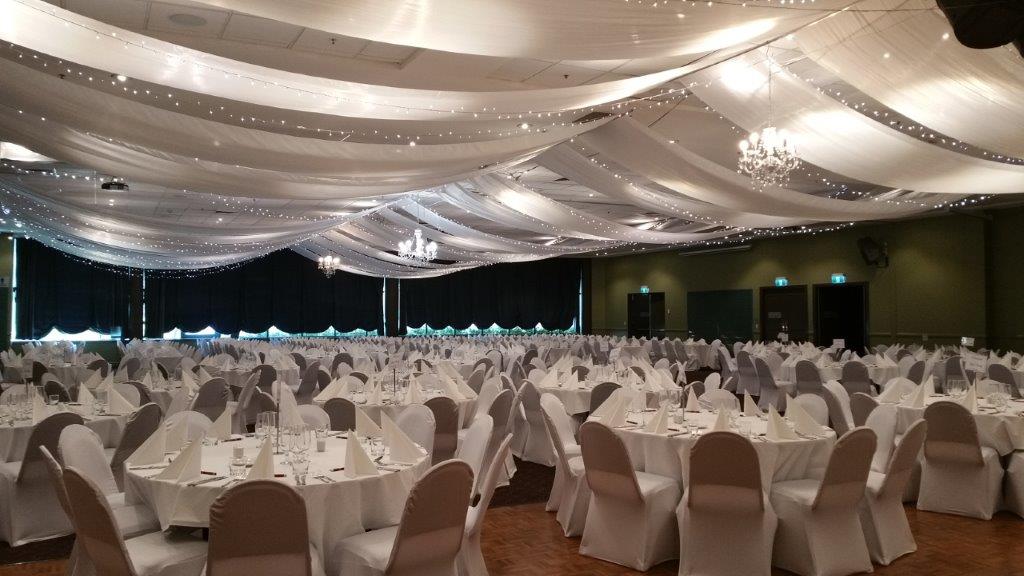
{"x": 119, "y": 186}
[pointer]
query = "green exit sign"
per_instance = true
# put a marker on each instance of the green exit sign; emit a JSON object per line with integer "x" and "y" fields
{"x": 838, "y": 278}
{"x": 781, "y": 281}
{"x": 645, "y": 289}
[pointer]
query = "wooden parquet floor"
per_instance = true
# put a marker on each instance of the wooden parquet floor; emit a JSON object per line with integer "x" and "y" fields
{"x": 525, "y": 540}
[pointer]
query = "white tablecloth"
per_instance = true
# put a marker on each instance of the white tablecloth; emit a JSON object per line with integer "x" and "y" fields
{"x": 578, "y": 401}
{"x": 1003, "y": 432}
{"x": 669, "y": 455}
{"x": 878, "y": 374}
{"x": 14, "y": 439}
{"x": 466, "y": 406}
{"x": 335, "y": 511}
{"x": 237, "y": 377}
{"x": 68, "y": 374}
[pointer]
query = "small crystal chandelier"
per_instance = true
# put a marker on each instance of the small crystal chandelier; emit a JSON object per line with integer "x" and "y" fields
{"x": 769, "y": 156}
{"x": 416, "y": 249}
{"x": 328, "y": 265}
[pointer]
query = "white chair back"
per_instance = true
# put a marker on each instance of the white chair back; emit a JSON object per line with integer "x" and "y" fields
{"x": 417, "y": 421}
{"x": 80, "y": 448}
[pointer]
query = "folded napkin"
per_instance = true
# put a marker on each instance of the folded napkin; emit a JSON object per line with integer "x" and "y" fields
{"x": 692, "y": 404}
{"x": 891, "y": 394}
{"x": 40, "y": 410}
{"x": 357, "y": 461}
{"x": 659, "y": 423}
{"x": 608, "y": 406}
{"x": 94, "y": 380}
{"x": 374, "y": 396}
{"x": 750, "y": 407}
{"x": 450, "y": 388}
{"x": 777, "y": 428}
{"x": 288, "y": 408}
{"x": 550, "y": 380}
{"x": 85, "y": 397}
{"x": 929, "y": 386}
{"x": 152, "y": 450}
{"x": 617, "y": 417}
{"x": 332, "y": 390}
{"x": 263, "y": 465}
{"x": 187, "y": 465}
{"x": 188, "y": 382}
{"x": 414, "y": 395}
{"x": 204, "y": 376}
{"x": 221, "y": 429}
{"x": 365, "y": 426}
{"x": 147, "y": 381}
{"x": 802, "y": 421}
{"x": 721, "y": 420}
{"x": 970, "y": 399}
{"x": 572, "y": 381}
{"x": 179, "y": 402}
{"x": 107, "y": 384}
{"x": 401, "y": 447}
{"x": 117, "y": 405}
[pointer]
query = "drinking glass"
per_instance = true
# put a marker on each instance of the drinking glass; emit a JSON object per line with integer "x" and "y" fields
{"x": 744, "y": 428}
{"x": 236, "y": 467}
{"x": 53, "y": 399}
{"x": 300, "y": 467}
{"x": 956, "y": 387}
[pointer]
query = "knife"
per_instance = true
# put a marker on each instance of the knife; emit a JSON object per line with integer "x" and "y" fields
{"x": 205, "y": 480}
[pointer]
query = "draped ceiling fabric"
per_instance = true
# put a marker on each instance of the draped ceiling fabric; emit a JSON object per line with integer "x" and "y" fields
{"x": 565, "y": 142}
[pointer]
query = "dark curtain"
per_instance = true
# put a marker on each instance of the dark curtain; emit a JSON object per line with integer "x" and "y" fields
{"x": 509, "y": 295}
{"x": 59, "y": 291}
{"x": 283, "y": 289}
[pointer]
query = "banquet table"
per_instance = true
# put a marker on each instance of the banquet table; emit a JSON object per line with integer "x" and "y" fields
{"x": 834, "y": 371}
{"x": 393, "y": 409}
{"x": 14, "y": 439}
{"x": 336, "y": 510}
{"x": 577, "y": 400}
{"x": 237, "y": 377}
{"x": 68, "y": 374}
{"x": 1002, "y": 431}
{"x": 669, "y": 454}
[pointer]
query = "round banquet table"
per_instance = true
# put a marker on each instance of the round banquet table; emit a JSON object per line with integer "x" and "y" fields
{"x": 237, "y": 377}
{"x": 1001, "y": 431}
{"x": 669, "y": 454}
{"x": 336, "y": 510}
{"x": 466, "y": 406}
{"x": 577, "y": 401}
{"x": 14, "y": 439}
{"x": 68, "y": 374}
{"x": 878, "y": 374}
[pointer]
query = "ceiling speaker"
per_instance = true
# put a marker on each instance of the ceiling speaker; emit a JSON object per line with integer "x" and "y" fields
{"x": 873, "y": 252}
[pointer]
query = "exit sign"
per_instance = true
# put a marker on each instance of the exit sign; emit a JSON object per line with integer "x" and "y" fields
{"x": 838, "y": 278}
{"x": 645, "y": 289}
{"x": 781, "y": 281}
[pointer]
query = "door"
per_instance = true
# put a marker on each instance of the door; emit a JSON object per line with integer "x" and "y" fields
{"x": 646, "y": 314}
{"x": 725, "y": 314}
{"x": 841, "y": 312}
{"x": 784, "y": 309}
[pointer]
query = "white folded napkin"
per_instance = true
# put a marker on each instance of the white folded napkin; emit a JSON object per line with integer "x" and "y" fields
{"x": 414, "y": 395}
{"x": 891, "y": 394}
{"x": 916, "y": 399}
{"x": 179, "y": 402}
{"x": 802, "y": 421}
{"x": 39, "y": 409}
{"x": 188, "y": 382}
{"x": 85, "y": 397}
{"x": 365, "y": 425}
{"x": 288, "y": 408}
{"x": 572, "y": 381}
{"x": 750, "y": 407}
{"x": 401, "y": 447}
{"x": 152, "y": 450}
{"x": 929, "y": 386}
{"x": 692, "y": 404}
{"x": 117, "y": 405}
{"x": 94, "y": 380}
{"x": 221, "y": 429}
{"x": 332, "y": 390}
{"x": 451, "y": 389}
{"x": 107, "y": 384}
{"x": 550, "y": 380}
{"x": 608, "y": 406}
{"x": 263, "y": 465}
{"x": 617, "y": 418}
{"x": 147, "y": 381}
{"x": 187, "y": 465}
{"x": 721, "y": 420}
{"x": 373, "y": 397}
{"x": 659, "y": 423}
{"x": 777, "y": 428}
{"x": 970, "y": 399}
{"x": 357, "y": 461}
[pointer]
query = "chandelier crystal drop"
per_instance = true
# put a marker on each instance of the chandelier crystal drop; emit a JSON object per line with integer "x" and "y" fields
{"x": 768, "y": 156}
{"x": 416, "y": 249}
{"x": 329, "y": 265}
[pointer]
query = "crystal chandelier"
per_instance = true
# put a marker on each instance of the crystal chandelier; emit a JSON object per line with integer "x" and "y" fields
{"x": 329, "y": 265}
{"x": 768, "y": 156}
{"x": 416, "y": 249}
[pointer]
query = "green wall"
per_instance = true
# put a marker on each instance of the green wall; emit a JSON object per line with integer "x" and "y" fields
{"x": 1005, "y": 280}
{"x": 935, "y": 285}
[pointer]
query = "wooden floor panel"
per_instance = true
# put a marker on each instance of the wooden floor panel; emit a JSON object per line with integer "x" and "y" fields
{"x": 526, "y": 541}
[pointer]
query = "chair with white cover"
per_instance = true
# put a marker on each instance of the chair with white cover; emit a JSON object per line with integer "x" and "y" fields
{"x": 861, "y": 405}
{"x": 748, "y": 380}
{"x": 212, "y": 398}
{"x": 342, "y": 413}
{"x": 720, "y": 398}
{"x": 725, "y": 524}
{"x": 815, "y": 406}
{"x": 771, "y": 393}
{"x": 487, "y": 393}
{"x": 904, "y": 363}
{"x": 631, "y": 517}
{"x": 429, "y": 536}
{"x": 566, "y": 496}
{"x": 314, "y": 416}
{"x": 1002, "y": 374}
{"x": 856, "y": 377}
{"x": 29, "y": 509}
{"x": 151, "y": 554}
{"x": 141, "y": 425}
{"x": 916, "y": 372}
{"x": 882, "y": 516}
{"x": 417, "y": 421}
{"x": 446, "y": 427}
{"x": 129, "y": 392}
{"x": 476, "y": 381}
{"x": 470, "y": 561}
{"x": 473, "y": 449}
{"x": 535, "y": 446}
{"x": 955, "y": 369}
{"x": 837, "y": 419}
{"x": 713, "y": 381}
{"x": 80, "y": 448}
{"x": 600, "y": 393}
{"x": 188, "y": 425}
{"x": 882, "y": 421}
{"x": 958, "y": 475}
{"x": 259, "y": 528}
{"x": 1013, "y": 491}
{"x": 53, "y": 387}
{"x": 808, "y": 379}
{"x": 819, "y": 526}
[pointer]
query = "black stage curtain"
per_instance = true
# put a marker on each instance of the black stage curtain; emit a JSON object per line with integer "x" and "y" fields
{"x": 63, "y": 292}
{"x": 283, "y": 289}
{"x": 508, "y": 295}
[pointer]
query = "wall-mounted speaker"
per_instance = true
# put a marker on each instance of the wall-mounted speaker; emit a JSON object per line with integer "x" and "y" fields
{"x": 873, "y": 252}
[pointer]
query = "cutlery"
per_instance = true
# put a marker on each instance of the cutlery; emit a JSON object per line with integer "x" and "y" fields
{"x": 206, "y": 480}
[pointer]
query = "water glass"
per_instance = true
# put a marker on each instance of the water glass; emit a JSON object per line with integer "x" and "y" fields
{"x": 744, "y": 428}
{"x": 237, "y": 468}
{"x": 53, "y": 399}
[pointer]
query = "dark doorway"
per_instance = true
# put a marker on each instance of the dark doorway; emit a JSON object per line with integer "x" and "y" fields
{"x": 725, "y": 314}
{"x": 841, "y": 312}
{"x": 646, "y": 315}
{"x": 784, "y": 310}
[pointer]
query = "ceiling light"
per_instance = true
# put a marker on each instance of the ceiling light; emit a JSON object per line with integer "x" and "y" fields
{"x": 121, "y": 77}
{"x": 524, "y": 125}
{"x": 182, "y": 19}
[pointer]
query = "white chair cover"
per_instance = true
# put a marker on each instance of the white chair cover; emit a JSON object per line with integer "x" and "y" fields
{"x": 535, "y": 446}
{"x": 815, "y": 406}
{"x": 631, "y": 519}
{"x": 720, "y": 398}
{"x": 958, "y": 475}
{"x": 840, "y": 394}
{"x": 81, "y": 448}
{"x": 417, "y": 421}
{"x": 314, "y": 416}
{"x": 725, "y": 526}
{"x": 446, "y": 427}
{"x": 470, "y": 561}
{"x": 474, "y": 447}
{"x": 1013, "y": 493}
{"x": 569, "y": 493}
{"x": 882, "y": 421}
{"x": 185, "y": 427}
{"x": 141, "y": 425}
{"x": 819, "y": 529}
